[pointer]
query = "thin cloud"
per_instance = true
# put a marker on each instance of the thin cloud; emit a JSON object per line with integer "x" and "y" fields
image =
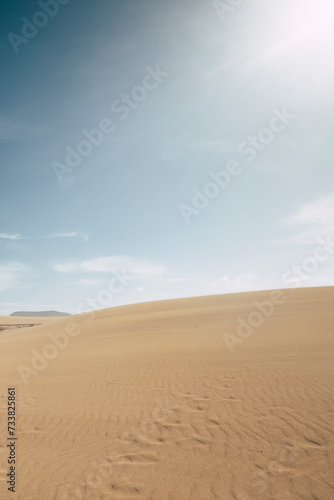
{"x": 12, "y": 275}
{"x": 320, "y": 212}
{"x": 240, "y": 283}
{"x": 315, "y": 220}
{"x": 74, "y": 234}
{"x": 6, "y": 236}
{"x": 122, "y": 264}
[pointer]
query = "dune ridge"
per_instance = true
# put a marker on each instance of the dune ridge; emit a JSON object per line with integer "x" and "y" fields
{"x": 148, "y": 402}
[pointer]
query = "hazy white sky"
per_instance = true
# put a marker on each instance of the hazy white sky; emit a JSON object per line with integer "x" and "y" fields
{"x": 153, "y": 150}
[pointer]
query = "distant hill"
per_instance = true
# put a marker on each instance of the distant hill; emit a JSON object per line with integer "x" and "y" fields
{"x": 40, "y": 314}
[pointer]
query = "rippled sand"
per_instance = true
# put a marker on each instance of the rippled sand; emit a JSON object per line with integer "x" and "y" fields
{"x": 155, "y": 401}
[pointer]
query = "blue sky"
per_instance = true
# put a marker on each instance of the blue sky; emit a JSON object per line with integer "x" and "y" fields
{"x": 205, "y": 88}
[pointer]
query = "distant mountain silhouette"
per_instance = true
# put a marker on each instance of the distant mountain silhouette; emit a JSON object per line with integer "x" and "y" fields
{"x": 40, "y": 314}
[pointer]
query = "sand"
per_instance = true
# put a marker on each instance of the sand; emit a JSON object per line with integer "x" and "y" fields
{"x": 154, "y": 401}
{"x": 11, "y": 322}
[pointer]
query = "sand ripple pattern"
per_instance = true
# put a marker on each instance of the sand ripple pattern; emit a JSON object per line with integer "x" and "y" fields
{"x": 147, "y": 403}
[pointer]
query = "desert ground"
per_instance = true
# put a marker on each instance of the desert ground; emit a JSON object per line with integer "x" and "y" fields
{"x": 12, "y": 322}
{"x": 174, "y": 400}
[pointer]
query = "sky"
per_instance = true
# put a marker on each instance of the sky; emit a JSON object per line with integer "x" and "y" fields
{"x": 153, "y": 150}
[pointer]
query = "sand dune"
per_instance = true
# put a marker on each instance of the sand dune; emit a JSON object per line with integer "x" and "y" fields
{"x": 18, "y": 320}
{"x": 11, "y": 322}
{"x": 175, "y": 400}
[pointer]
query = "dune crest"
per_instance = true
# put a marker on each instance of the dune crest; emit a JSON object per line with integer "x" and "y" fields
{"x": 149, "y": 401}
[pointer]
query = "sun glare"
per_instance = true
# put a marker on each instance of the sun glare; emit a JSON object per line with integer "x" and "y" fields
{"x": 312, "y": 22}
{"x": 295, "y": 43}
